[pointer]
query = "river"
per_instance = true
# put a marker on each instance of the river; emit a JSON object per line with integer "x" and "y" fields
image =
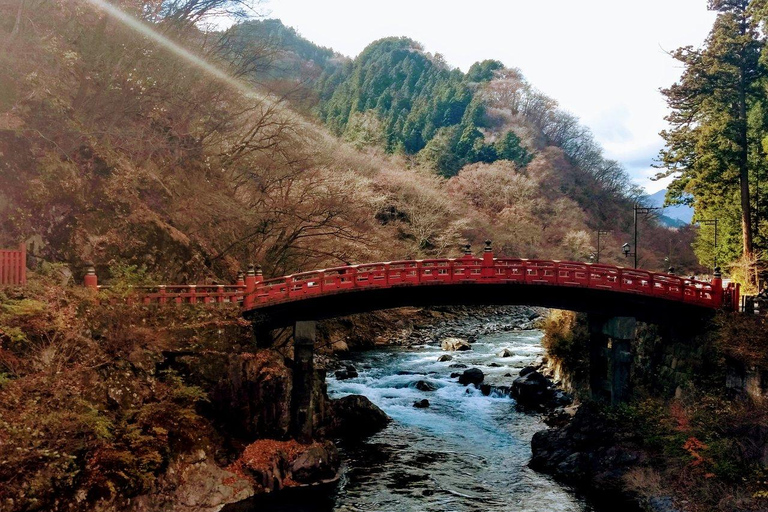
{"x": 465, "y": 452}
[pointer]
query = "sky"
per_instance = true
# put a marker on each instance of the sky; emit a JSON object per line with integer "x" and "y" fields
{"x": 602, "y": 60}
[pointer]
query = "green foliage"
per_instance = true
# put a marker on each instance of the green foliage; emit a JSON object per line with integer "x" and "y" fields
{"x": 423, "y": 106}
{"x": 715, "y": 146}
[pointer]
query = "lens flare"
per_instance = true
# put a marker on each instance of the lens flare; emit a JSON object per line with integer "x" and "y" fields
{"x": 146, "y": 30}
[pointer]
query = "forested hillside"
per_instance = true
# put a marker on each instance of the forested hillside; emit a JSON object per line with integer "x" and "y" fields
{"x": 117, "y": 151}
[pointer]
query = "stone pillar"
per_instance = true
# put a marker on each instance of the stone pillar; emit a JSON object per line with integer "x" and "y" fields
{"x": 303, "y": 375}
{"x": 610, "y": 357}
{"x": 599, "y": 386}
{"x": 621, "y": 331}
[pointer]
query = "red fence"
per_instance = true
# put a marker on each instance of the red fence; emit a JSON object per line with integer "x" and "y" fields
{"x": 490, "y": 271}
{"x": 253, "y": 292}
{"x": 13, "y": 266}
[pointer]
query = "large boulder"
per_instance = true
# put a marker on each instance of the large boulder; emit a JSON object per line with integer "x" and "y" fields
{"x": 471, "y": 376}
{"x": 532, "y": 390}
{"x": 455, "y": 344}
{"x": 356, "y": 416}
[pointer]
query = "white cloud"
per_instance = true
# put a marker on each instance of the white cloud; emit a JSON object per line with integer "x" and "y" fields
{"x": 603, "y": 60}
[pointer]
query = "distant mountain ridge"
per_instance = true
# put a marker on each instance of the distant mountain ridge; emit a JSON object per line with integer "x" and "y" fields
{"x": 682, "y": 214}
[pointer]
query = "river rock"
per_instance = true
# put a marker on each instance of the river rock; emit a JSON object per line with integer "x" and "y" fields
{"x": 471, "y": 376}
{"x": 421, "y": 404}
{"x": 350, "y": 372}
{"x": 457, "y": 365}
{"x": 443, "y": 358}
{"x": 356, "y": 416}
{"x": 423, "y": 385}
{"x": 318, "y": 463}
{"x": 532, "y": 390}
{"x": 494, "y": 365}
{"x": 506, "y": 353}
{"x": 455, "y": 344}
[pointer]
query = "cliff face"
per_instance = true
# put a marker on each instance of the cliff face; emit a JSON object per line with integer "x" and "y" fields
{"x": 692, "y": 436}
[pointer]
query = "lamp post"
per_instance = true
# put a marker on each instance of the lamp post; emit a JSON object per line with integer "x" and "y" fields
{"x": 712, "y": 222}
{"x": 626, "y": 250}
{"x": 599, "y": 233}
{"x": 645, "y": 210}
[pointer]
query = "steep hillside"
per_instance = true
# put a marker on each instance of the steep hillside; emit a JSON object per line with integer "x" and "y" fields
{"x": 117, "y": 151}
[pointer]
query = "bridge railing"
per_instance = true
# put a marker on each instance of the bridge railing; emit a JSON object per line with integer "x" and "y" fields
{"x": 476, "y": 270}
{"x": 253, "y": 292}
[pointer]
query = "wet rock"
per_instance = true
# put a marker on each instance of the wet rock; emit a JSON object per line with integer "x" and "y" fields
{"x": 506, "y": 353}
{"x": 423, "y": 385}
{"x": 457, "y": 365}
{"x": 345, "y": 374}
{"x": 455, "y": 374}
{"x": 471, "y": 376}
{"x": 316, "y": 464}
{"x": 455, "y": 344}
{"x": 494, "y": 365}
{"x": 355, "y": 416}
{"x": 485, "y": 389}
{"x": 421, "y": 404}
{"x": 444, "y": 358}
{"x": 532, "y": 389}
{"x": 507, "y": 374}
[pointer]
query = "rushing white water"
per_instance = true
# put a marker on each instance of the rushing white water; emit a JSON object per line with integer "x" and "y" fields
{"x": 465, "y": 452}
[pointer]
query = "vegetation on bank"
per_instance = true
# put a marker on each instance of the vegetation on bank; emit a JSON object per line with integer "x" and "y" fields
{"x": 701, "y": 442}
{"x": 88, "y": 410}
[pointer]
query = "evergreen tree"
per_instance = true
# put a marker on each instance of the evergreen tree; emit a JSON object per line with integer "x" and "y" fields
{"x": 709, "y": 148}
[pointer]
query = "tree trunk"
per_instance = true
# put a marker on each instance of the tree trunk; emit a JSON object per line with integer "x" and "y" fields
{"x": 746, "y": 207}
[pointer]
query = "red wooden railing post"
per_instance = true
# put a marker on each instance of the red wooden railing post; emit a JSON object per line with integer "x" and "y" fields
{"x": 487, "y": 269}
{"x": 91, "y": 280}
{"x": 717, "y": 287}
{"x": 250, "y": 287}
{"x": 193, "y": 294}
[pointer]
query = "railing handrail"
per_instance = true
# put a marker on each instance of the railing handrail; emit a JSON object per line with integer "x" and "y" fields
{"x": 255, "y": 292}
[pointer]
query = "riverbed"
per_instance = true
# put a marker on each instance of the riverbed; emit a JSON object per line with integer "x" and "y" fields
{"x": 465, "y": 452}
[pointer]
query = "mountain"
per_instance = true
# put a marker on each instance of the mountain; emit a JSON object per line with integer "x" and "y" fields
{"x": 683, "y": 214}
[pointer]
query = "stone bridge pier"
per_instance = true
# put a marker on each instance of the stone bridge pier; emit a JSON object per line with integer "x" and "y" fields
{"x": 610, "y": 357}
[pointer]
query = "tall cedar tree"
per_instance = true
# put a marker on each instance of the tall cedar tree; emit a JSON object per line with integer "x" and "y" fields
{"x": 708, "y": 148}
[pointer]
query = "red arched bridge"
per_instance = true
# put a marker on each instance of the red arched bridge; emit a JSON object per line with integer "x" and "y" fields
{"x": 469, "y": 280}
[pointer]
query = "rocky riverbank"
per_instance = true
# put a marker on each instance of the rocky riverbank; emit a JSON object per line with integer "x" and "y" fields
{"x": 686, "y": 441}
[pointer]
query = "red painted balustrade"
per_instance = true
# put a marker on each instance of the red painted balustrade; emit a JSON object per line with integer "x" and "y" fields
{"x": 497, "y": 271}
{"x": 252, "y": 292}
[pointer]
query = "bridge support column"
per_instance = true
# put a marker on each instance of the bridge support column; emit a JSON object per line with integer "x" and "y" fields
{"x": 611, "y": 357}
{"x": 303, "y": 375}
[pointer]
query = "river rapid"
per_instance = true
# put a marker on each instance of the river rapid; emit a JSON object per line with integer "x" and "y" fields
{"x": 465, "y": 452}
